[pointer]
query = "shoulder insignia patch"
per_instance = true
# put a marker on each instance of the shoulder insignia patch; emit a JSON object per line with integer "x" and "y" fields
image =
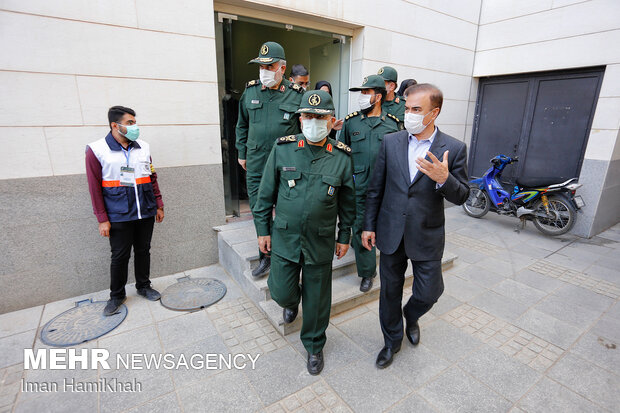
{"x": 344, "y": 148}
{"x": 287, "y": 139}
{"x": 393, "y": 117}
{"x": 252, "y": 83}
{"x": 351, "y": 115}
{"x": 296, "y": 88}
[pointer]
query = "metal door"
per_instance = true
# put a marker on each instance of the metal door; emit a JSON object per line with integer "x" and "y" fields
{"x": 544, "y": 118}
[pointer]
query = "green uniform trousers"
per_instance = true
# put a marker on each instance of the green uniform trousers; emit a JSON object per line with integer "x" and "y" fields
{"x": 252, "y": 181}
{"x": 365, "y": 261}
{"x": 315, "y": 294}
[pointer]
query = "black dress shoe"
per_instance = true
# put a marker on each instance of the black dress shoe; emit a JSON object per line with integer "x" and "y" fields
{"x": 315, "y": 363}
{"x": 386, "y": 355}
{"x": 113, "y": 306}
{"x": 263, "y": 268}
{"x": 412, "y": 331}
{"x": 366, "y": 284}
{"x": 289, "y": 314}
{"x": 149, "y": 293}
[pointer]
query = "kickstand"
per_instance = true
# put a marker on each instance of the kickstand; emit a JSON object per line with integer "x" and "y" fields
{"x": 521, "y": 225}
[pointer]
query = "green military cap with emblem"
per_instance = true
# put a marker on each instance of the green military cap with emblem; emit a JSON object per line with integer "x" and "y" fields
{"x": 269, "y": 52}
{"x": 388, "y": 73}
{"x": 316, "y": 101}
{"x": 370, "y": 82}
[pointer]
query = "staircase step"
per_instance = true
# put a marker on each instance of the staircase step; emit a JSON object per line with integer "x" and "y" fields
{"x": 345, "y": 296}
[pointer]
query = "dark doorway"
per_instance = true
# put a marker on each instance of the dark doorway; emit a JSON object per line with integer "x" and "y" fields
{"x": 543, "y": 118}
{"x": 238, "y": 38}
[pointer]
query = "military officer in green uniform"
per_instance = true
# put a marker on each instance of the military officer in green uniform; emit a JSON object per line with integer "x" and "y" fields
{"x": 363, "y": 132}
{"x": 309, "y": 179}
{"x": 392, "y": 104}
{"x": 267, "y": 110}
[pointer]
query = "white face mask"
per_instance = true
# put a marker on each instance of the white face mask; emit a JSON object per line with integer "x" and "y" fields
{"x": 364, "y": 101}
{"x": 315, "y": 130}
{"x": 268, "y": 78}
{"x": 414, "y": 123}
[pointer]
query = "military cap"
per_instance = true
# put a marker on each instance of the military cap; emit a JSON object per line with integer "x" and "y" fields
{"x": 388, "y": 73}
{"x": 316, "y": 101}
{"x": 269, "y": 53}
{"x": 370, "y": 82}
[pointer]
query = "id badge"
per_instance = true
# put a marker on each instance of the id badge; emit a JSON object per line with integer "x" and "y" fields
{"x": 287, "y": 116}
{"x": 144, "y": 168}
{"x": 127, "y": 176}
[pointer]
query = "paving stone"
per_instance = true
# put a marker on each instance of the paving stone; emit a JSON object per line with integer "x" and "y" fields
{"x": 499, "y": 305}
{"x": 209, "y": 345}
{"x": 58, "y": 402}
{"x": 608, "y": 328}
{"x": 228, "y": 391}
{"x": 588, "y": 380}
{"x": 413, "y": 403}
{"x": 598, "y": 350}
{"x": 279, "y": 374}
{"x": 444, "y": 304}
{"x": 549, "y": 328}
{"x": 12, "y": 347}
{"x": 481, "y": 276}
{"x": 584, "y": 298}
{"x": 448, "y": 341}
{"x": 456, "y": 391}
{"x": 519, "y": 292}
{"x": 461, "y": 289}
{"x": 20, "y": 321}
{"x": 549, "y": 396}
{"x": 576, "y": 315}
{"x": 415, "y": 365}
{"x": 500, "y": 372}
{"x": 365, "y": 331}
{"x": 365, "y": 388}
{"x": 164, "y": 404}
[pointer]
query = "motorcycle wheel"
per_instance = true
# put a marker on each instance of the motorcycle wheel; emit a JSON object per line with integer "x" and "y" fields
{"x": 478, "y": 203}
{"x": 558, "y": 221}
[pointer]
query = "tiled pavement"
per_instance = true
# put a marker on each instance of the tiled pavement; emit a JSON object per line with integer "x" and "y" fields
{"x": 526, "y": 323}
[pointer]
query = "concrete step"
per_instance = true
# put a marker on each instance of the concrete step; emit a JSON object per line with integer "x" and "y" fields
{"x": 238, "y": 254}
{"x": 345, "y": 296}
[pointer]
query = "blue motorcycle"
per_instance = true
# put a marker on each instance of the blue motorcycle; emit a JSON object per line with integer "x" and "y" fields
{"x": 551, "y": 206}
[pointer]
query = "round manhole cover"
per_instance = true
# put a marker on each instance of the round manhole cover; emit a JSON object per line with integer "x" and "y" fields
{"x": 80, "y": 324}
{"x": 193, "y": 293}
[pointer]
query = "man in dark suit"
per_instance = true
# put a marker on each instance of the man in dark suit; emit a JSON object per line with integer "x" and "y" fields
{"x": 414, "y": 171}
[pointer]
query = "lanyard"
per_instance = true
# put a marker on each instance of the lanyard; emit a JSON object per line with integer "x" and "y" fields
{"x": 126, "y": 153}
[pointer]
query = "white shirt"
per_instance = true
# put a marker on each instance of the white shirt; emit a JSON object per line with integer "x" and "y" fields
{"x": 417, "y": 149}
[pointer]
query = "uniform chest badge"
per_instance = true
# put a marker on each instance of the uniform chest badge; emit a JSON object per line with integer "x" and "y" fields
{"x": 331, "y": 190}
{"x": 329, "y": 147}
{"x": 355, "y": 133}
{"x": 291, "y": 183}
{"x": 282, "y": 88}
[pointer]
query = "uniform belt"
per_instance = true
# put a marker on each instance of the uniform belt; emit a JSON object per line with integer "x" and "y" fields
{"x": 110, "y": 184}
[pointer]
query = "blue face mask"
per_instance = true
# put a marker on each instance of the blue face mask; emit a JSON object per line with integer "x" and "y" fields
{"x": 133, "y": 132}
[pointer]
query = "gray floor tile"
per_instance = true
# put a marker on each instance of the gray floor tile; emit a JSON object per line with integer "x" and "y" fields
{"x": 12, "y": 347}
{"x": 575, "y": 315}
{"x": 339, "y": 350}
{"x": 143, "y": 340}
{"x": 538, "y": 281}
{"x": 549, "y": 396}
{"x": 598, "y": 350}
{"x": 227, "y": 391}
{"x": 604, "y": 273}
{"x": 186, "y": 329}
{"x": 456, "y": 391}
{"x": 549, "y": 328}
{"x": 415, "y": 365}
{"x": 278, "y": 374}
{"x": 20, "y": 321}
{"x": 164, "y": 404}
{"x": 519, "y": 292}
{"x": 210, "y": 345}
{"x": 500, "y": 372}
{"x": 413, "y": 403}
{"x": 584, "y": 298}
{"x": 611, "y": 261}
{"x": 365, "y": 331}
{"x": 481, "y": 276}
{"x": 445, "y": 304}
{"x": 366, "y": 388}
{"x": 153, "y": 383}
{"x": 607, "y": 327}
{"x": 448, "y": 341}
{"x": 461, "y": 289}
{"x": 588, "y": 380}
{"x": 58, "y": 402}
{"x": 614, "y": 311}
{"x": 499, "y": 305}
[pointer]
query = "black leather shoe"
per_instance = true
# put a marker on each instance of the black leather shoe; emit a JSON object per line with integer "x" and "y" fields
{"x": 149, "y": 293}
{"x": 386, "y": 355}
{"x": 263, "y": 268}
{"x": 113, "y": 306}
{"x": 366, "y": 284}
{"x": 412, "y": 331}
{"x": 289, "y": 314}
{"x": 315, "y": 363}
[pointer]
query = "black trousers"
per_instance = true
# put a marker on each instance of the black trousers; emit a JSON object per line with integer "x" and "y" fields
{"x": 123, "y": 236}
{"x": 427, "y": 288}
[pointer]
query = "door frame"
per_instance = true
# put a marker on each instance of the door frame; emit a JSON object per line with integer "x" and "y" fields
{"x": 533, "y": 79}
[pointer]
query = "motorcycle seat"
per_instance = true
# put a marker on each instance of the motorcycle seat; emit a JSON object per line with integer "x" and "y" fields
{"x": 538, "y": 182}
